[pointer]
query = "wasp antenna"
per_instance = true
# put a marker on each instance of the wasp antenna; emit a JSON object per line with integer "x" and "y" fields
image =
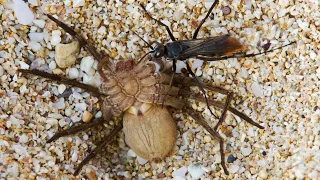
{"x": 143, "y": 39}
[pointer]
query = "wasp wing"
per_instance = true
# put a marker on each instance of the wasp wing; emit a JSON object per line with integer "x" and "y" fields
{"x": 211, "y": 47}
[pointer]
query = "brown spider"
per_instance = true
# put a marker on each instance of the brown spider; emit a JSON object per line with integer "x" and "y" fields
{"x": 134, "y": 91}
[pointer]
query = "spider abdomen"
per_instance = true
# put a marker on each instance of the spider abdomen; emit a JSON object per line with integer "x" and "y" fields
{"x": 150, "y": 131}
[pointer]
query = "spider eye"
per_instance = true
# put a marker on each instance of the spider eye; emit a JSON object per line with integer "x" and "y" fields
{"x": 157, "y": 54}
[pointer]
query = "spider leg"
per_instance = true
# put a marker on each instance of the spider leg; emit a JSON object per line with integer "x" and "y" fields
{"x": 174, "y": 68}
{"x": 197, "y": 117}
{"x": 75, "y": 129}
{"x": 62, "y": 80}
{"x": 221, "y": 105}
{"x": 159, "y": 22}
{"x": 100, "y": 145}
{"x": 204, "y": 19}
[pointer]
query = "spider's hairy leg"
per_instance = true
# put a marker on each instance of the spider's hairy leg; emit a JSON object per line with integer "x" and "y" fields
{"x": 62, "y": 80}
{"x": 92, "y": 50}
{"x": 100, "y": 145}
{"x": 75, "y": 129}
{"x": 198, "y": 118}
{"x": 186, "y": 92}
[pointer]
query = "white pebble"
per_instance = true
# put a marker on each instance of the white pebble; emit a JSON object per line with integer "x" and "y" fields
{"x": 56, "y": 32}
{"x": 313, "y": 55}
{"x": 131, "y": 153}
{"x": 207, "y": 138}
{"x": 178, "y": 15}
{"x": 233, "y": 168}
{"x": 181, "y": 172}
{"x": 23, "y": 89}
{"x": 23, "y": 139}
{"x": 23, "y": 65}
{"x": 37, "y": 37}
{"x": 78, "y": 3}
{"x": 62, "y": 122}
{"x": 86, "y": 64}
{"x": 80, "y": 106}
{"x": 60, "y": 104}
{"x": 1, "y": 70}
{"x": 22, "y": 12}
{"x": 102, "y": 30}
{"x": 195, "y": 171}
{"x": 35, "y": 46}
{"x": 256, "y": 89}
{"x": 263, "y": 174}
{"x": 52, "y": 65}
{"x": 74, "y": 157}
{"x": 40, "y": 23}
{"x": 299, "y": 173}
{"x": 141, "y": 160}
{"x": 73, "y": 73}
{"x": 55, "y": 40}
{"x": 61, "y": 88}
{"x": 246, "y": 150}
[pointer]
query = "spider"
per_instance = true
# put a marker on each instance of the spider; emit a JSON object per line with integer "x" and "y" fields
{"x": 133, "y": 91}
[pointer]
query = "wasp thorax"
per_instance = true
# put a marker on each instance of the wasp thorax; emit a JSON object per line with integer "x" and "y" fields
{"x": 149, "y": 130}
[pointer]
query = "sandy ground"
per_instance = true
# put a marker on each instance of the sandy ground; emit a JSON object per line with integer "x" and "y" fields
{"x": 280, "y": 90}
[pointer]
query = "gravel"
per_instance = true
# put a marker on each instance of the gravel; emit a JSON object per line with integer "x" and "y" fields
{"x": 280, "y": 89}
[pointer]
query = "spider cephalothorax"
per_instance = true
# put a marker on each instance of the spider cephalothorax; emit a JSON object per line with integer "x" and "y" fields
{"x": 133, "y": 90}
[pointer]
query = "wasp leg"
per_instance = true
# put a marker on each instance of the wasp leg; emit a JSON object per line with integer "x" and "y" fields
{"x": 159, "y": 22}
{"x": 62, "y": 80}
{"x": 197, "y": 117}
{"x": 204, "y": 19}
{"x": 75, "y": 129}
{"x": 199, "y": 85}
{"x": 100, "y": 145}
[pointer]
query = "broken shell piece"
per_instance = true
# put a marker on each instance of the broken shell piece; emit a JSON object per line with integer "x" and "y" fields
{"x": 66, "y": 54}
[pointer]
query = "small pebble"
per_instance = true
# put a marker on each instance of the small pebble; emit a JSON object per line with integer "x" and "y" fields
{"x": 61, "y": 88}
{"x": 40, "y": 23}
{"x": 141, "y": 160}
{"x": 234, "y": 168}
{"x": 226, "y": 10}
{"x": 74, "y": 157}
{"x": 86, "y": 64}
{"x": 263, "y": 174}
{"x": 91, "y": 174}
{"x": 87, "y": 116}
{"x": 196, "y": 172}
{"x": 207, "y": 138}
{"x": 246, "y": 150}
{"x": 78, "y": 3}
{"x": 37, "y": 37}
{"x": 55, "y": 40}
{"x": 256, "y": 89}
{"x": 231, "y": 159}
{"x": 23, "y": 12}
{"x": 181, "y": 172}
{"x": 73, "y": 73}
{"x": 66, "y": 54}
